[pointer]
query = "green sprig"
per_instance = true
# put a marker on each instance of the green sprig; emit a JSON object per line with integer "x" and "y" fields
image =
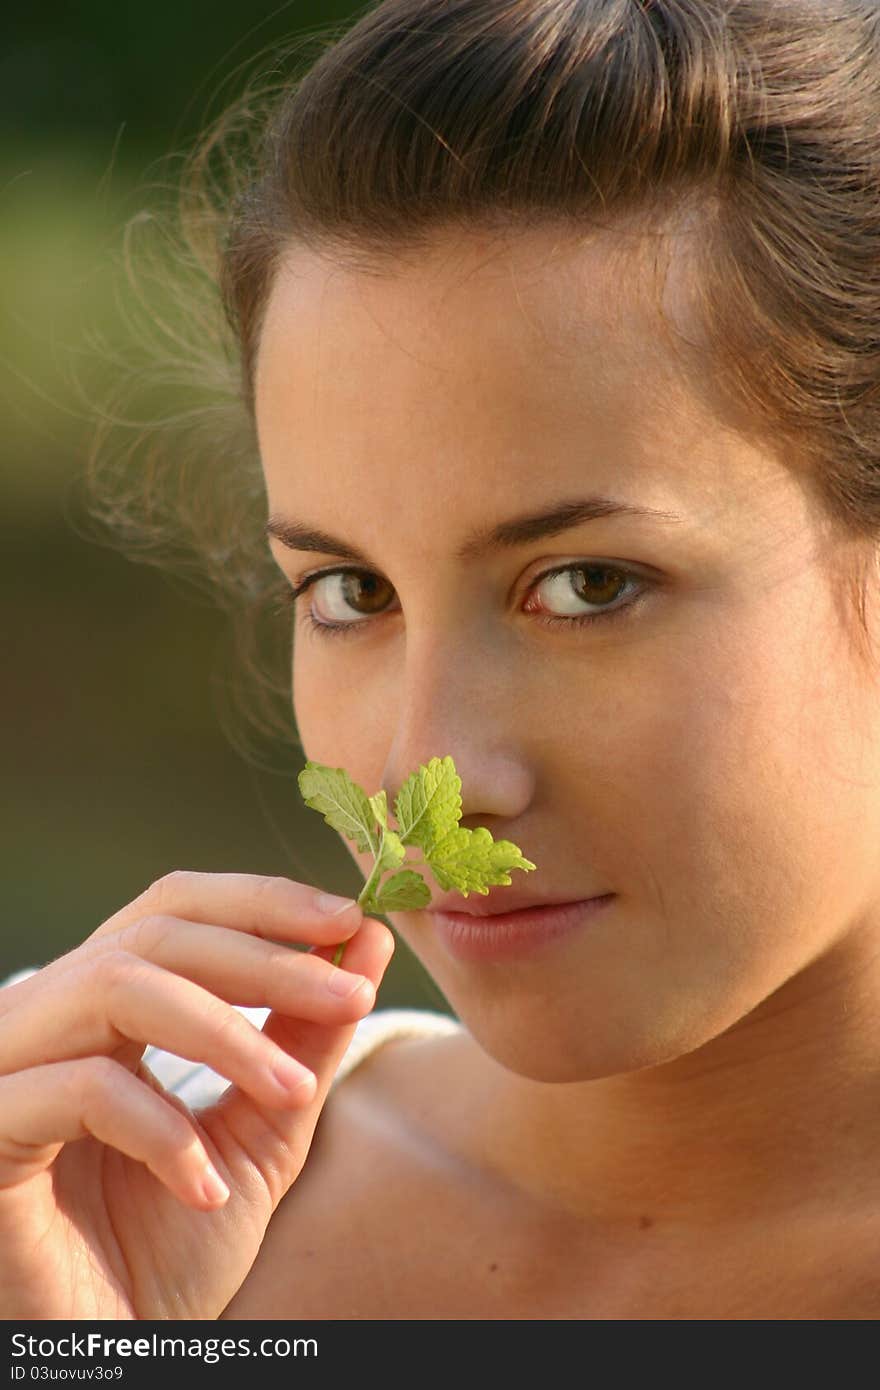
{"x": 427, "y": 811}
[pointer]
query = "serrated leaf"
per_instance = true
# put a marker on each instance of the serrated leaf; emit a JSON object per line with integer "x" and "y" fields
{"x": 403, "y": 892}
{"x": 428, "y": 805}
{"x": 471, "y": 861}
{"x": 428, "y": 809}
{"x": 342, "y": 803}
{"x": 379, "y": 805}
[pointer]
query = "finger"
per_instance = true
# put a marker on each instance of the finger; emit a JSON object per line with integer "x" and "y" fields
{"x": 275, "y": 1143}
{"x": 243, "y": 969}
{"x": 54, "y": 1016}
{"x": 44, "y": 1107}
{"x": 276, "y": 908}
{"x": 317, "y": 1046}
{"x": 117, "y": 997}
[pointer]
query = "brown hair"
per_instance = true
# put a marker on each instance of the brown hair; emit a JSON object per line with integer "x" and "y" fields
{"x": 424, "y": 114}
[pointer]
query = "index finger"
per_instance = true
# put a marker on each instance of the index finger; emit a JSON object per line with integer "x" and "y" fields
{"x": 276, "y": 908}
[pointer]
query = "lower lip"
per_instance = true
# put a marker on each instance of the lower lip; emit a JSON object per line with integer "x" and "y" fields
{"x": 510, "y": 935}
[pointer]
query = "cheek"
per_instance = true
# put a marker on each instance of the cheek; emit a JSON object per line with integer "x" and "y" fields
{"x": 750, "y": 802}
{"x": 332, "y": 714}
{"x": 335, "y": 728}
{"x": 317, "y": 708}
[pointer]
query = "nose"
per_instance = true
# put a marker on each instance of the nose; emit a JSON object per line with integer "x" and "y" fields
{"x": 466, "y": 709}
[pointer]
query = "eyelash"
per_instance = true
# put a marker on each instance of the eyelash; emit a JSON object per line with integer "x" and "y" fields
{"x": 347, "y": 629}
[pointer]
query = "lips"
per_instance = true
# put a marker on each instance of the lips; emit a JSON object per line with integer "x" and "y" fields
{"x": 502, "y": 900}
{"x": 515, "y": 936}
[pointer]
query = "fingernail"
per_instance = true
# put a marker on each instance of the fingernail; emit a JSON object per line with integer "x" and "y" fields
{"x": 343, "y": 983}
{"x": 213, "y": 1186}
{"x": 291, "y": 1075}
{"x": 332, "y": 905}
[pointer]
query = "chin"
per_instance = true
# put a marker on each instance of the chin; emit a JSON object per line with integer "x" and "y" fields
{"x": 544, "y": 1062}
{"x": 580, "y": 1049}
{"x": 582, "y": 1024}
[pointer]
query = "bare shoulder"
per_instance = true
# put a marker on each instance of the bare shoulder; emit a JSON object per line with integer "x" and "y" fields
{"x": 394, "y": 1217}
{"x": 375, "y": 1220}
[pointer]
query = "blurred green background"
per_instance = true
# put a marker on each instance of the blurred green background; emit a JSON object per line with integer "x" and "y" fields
{"x": 116, "y": 766}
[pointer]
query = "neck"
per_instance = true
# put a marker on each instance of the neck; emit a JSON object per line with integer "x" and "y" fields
{"x": 781, "y": 1111}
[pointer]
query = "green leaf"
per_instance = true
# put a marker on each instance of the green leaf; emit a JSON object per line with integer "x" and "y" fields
{"x": 342, "y": 803}
{"x": 471, "y": 861}
{"x": 391, "y": 852}
{"x": 403, "y": 892}
{"x": 428, "y": 805}
{"x": 379, "y": 804}
{"x": 428, "y": 810}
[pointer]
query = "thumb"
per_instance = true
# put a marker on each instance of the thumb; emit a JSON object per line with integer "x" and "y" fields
{"x": 271, "y": 1144}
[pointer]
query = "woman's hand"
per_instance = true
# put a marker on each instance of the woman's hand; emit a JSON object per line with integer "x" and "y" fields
{"x": 106, "y": 1203}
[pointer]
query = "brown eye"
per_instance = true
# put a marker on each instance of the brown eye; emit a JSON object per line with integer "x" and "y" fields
{"x": 567, "y": 589}
{"x": 597, "y": 584}
{"x": 366, "y": 592}
{"x": 337, "y": 596}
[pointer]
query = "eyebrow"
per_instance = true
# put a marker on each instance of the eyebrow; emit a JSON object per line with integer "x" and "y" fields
{"x": 520, "y": 530}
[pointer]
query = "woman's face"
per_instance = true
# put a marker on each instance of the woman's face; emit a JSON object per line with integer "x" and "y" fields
{"x": 706, "y": 749}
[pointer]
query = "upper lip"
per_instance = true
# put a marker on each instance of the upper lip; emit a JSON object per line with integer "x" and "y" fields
{"x": 501, "y": 899}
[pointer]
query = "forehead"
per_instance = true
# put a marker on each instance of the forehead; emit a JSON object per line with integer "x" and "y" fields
{"x": 546, "y": 287}
{"x": 513, "y": 327}
{"x": 503, "y": 364}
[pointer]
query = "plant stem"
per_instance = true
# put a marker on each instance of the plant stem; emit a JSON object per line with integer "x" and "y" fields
{"x": 365, "y": 898}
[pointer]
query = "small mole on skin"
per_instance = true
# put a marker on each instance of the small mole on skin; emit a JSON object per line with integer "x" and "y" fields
{"x": 492, "y": 1268}
{"x": 645, "y": 1222}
